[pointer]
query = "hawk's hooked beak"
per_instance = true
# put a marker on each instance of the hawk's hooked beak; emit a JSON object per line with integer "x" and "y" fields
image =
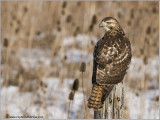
{"x": 102, "y": 24}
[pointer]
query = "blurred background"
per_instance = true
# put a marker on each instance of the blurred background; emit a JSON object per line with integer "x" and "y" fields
{"x": 44, "y": 43}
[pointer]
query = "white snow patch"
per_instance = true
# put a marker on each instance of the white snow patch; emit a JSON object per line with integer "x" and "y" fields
{"x": 138, "y": 68}
{"x": 75, "y": 55}
{"x": 142, "y": 106}
{"x": 31, "y": 58}
{"x": 81, "y": 39}
{"x": 55, "y": 99}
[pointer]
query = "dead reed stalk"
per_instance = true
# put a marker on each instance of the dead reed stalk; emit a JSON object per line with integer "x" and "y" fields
{"x": 83, "y": 69}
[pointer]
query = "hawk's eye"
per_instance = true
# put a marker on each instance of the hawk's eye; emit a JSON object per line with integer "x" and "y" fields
{"x": 108, "y": 23}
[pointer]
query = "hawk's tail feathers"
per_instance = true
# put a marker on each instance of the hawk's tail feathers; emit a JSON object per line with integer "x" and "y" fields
{"x": 95, "y": 100}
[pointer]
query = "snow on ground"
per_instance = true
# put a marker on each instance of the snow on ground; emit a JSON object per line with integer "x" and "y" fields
{"x": 55, "y": 99}
{"x": 142, "y": 106}
{"x": 139, "y": 68}
{"x": 75, "y": 56}
{"x": 81, "y": 39}
{"x": 32, "y": 57}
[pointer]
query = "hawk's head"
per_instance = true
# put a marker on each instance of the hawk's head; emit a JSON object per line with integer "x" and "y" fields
{"x": 110, "y": 24}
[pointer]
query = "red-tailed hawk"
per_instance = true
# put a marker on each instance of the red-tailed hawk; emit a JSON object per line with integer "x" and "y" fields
{"x": 112, "y": 56}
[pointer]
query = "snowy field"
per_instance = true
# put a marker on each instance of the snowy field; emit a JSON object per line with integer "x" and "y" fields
{"x": 55, "y": 97}
{"x": 56, "y": 102}
{"x": 52, "y": 102}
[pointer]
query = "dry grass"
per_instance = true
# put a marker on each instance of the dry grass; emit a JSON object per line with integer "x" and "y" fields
{"x": 31, "y": 25}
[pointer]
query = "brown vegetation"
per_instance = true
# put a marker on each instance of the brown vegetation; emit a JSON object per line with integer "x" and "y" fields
{"x": 38, "y": 25}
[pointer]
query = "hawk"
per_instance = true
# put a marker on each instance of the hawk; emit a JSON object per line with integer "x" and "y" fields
{"x": 111, "y": 59}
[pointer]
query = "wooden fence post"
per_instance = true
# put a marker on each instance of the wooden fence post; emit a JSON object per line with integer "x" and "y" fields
{"x": 114, "y": 105}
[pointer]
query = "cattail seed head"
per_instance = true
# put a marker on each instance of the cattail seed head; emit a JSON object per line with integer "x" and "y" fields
{"x": 7, "y": 115}
{"x": 90, "y": 28}
{"x": 78, "y": 3}
{"x": 19, "y": 22}
{"x": 64, "y": 4}
{"x": 92, "y": 42}
{"x": 58, "y": 22}
{"x": 142, "y": 51}
{"x": 41, "y": 83}
{"x": 63, "y": 12}
{"x": 148, "y": 30}
{"x": 71, "y": 95}
{"x": 65, "y": 57}
{"x": 83, "y": 67}
{"x": 154, "y": 10}
{"x": 75, "y": 85}
{"x": 38, "y": 32}
{"x": 5, "y": 43}
{"x": 145, "y": 60}
{"x": 17, "y": 30}
{"x": 94, "y": 19}
{"x": 77, "y": 28}
{"x": 25, "y": 9}
{"x": 132, "y": 14}
{"x": 69, "y": 19}
{"x": 59, "y": 29}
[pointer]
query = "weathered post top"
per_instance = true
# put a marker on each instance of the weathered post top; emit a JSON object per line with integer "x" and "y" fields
{"x": 113, "y": 107}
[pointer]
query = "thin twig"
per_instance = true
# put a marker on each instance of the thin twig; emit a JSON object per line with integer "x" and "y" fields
{"x": 83, "y": 95}
{"x": 69, "y": 108}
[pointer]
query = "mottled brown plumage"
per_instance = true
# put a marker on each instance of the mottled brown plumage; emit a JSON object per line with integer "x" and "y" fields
{"x": 112, "y": 56}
